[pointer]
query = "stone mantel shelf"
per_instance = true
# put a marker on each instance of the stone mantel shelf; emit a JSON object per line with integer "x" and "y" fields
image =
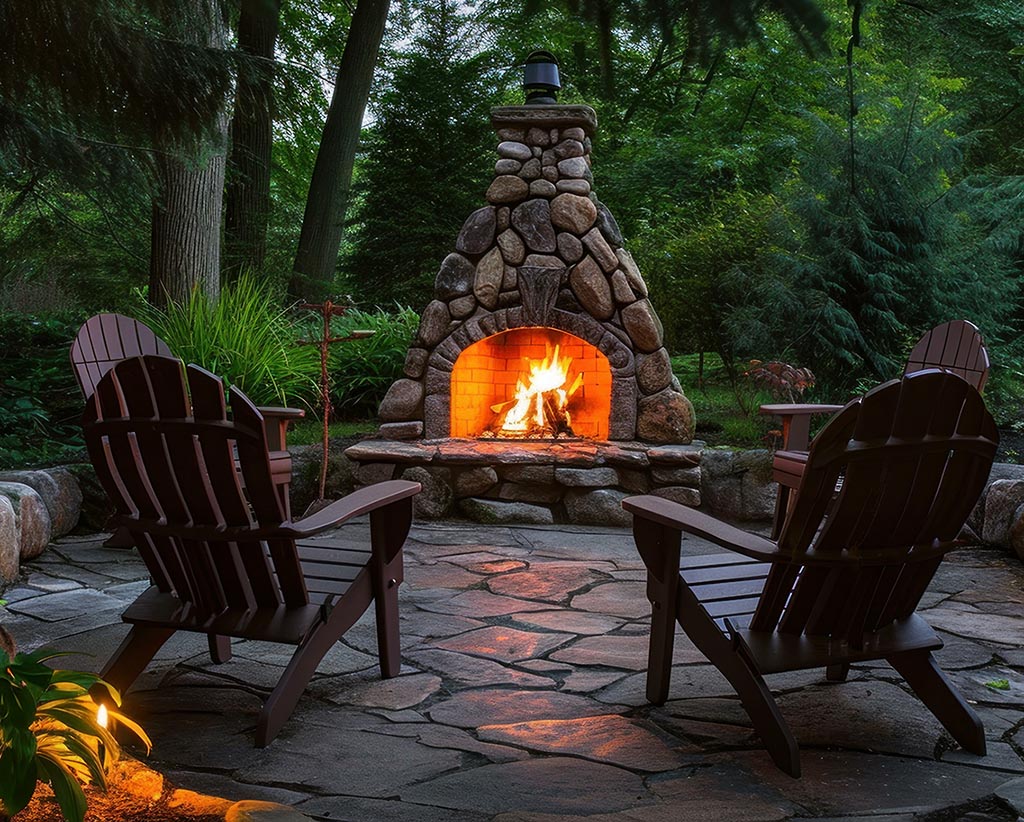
{"x": 567, "y": 453}
{"x": 546, "y": 115}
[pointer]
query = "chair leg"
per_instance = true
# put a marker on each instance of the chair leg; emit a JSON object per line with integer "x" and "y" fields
{"x": 133, "y": 655}
{"x": 729, "y": 657}
{"x": 385, "y": 600}
{"x": 659, "y": 549}
{"x": 659, "y": 652}
{"x": 837, "y": 672}
{"x": 930, "y": 684}
{"x": 763, "y": 711}
{"x": 304, "y": 661}
{"x": 220, "y": 648}
{"x": 389, "y": 527}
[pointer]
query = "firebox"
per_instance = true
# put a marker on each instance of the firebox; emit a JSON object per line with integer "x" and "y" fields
{"x": 541, "y": 326}
{"x": 531, "y": 383}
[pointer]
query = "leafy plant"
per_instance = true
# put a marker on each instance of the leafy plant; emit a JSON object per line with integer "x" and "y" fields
{"x": 363, "y": 370}
{"x": 39, "y": 402}
{"x": 245, "y": 338}
{"x": 50, "y": 732}
{"x": 785, "y": 382}
{"x": 998, "y": 684}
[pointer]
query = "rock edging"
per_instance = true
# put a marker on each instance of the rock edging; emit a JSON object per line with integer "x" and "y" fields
{"x": 36, "y": 507}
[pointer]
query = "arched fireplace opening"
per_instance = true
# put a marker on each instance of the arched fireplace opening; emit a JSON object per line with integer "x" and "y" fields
{"x": 531, "y": 383}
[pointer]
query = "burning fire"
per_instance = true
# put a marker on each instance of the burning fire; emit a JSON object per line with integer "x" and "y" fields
{"x": 540, "y": 407}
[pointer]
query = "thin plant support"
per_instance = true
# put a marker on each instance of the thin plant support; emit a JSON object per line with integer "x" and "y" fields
{"x": 328, "y": 310}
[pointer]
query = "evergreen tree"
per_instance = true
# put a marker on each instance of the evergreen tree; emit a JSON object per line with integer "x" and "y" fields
{"x": 428, "y": 160}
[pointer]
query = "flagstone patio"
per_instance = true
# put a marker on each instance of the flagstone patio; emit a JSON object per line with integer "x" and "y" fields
{"x": 522, "y": 696}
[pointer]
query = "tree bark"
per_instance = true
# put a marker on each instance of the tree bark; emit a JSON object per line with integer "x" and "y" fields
{"x": 185, "y": 234}
{"x": 247, "y": 197}
{"x": 324, "y": 218}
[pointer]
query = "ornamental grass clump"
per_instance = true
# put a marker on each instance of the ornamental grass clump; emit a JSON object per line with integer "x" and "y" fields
{"x": 245, "y": 338}
{"x": 50, "y": 732}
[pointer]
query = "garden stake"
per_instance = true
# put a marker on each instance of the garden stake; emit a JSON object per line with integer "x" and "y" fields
{"x": 327, "y": 310}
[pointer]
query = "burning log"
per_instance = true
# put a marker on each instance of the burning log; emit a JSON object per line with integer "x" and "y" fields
{"x": 540, "y": 407}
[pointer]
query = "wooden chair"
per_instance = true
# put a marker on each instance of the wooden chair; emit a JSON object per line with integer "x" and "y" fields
{"x": 106, "y": 339}
{"x": 224, "y": 557}
{"x": 955, "y": 346}
{"x": 843, "y": 581}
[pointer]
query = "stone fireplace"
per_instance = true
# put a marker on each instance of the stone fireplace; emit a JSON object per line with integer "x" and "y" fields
{"x": 538, "y": 387}
{"x": 542, "y": 264}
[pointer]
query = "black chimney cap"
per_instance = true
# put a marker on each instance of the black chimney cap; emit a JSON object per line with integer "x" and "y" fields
{"x": 540, "y": 78}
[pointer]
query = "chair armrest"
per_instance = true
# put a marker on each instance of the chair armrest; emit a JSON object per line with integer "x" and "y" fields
{"x": 672, "y": 514}
{"x": 796, "y": 422}
{"x": 275, "y": 421}
{"x": 358, "y": 502}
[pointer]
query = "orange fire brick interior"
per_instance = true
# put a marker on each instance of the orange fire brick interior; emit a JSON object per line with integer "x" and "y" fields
{"x": 487, "y": 371}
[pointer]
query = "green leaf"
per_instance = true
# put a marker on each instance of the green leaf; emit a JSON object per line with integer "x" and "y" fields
{"x": 17, "y": 779}
{"x": 66, "y": 789}
{"x": 998, "y": 684}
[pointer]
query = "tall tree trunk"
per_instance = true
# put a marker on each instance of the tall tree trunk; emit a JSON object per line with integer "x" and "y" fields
{"x": 605, "y": 40}
{"x": 185, "y": 234}
{"x": 327, "y": 200}
{"x": 247, "y": 197}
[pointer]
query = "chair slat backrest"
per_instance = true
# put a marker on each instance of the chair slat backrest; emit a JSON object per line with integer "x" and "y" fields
{"x": 107, "y": 339}
{"x": 910, "y": 460}
{"x": 956, "y": 346}
{"x": 165, "y": 451}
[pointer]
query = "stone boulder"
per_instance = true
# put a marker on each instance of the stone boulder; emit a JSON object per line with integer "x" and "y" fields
{"x": 532, "y": 220}
{"x": 96, "y": 509}
{"x": 1003, "y": 500}
{"x": 454, "y": 278}
{"x": 475, "y": 481}
{"x": 1016, "y": 536}
{"x": 31, "y": 516}
{"x": 403, "y": 401}
{"x": 59, "y": 491}
{"x": 665, "y": 417}
{"x": 478, "y": 231}
{"x": 434, "y": 323}
{"x": 495, "y": 512}
{"x": 10, "y": 546}
{"x": 435, "y": 500}
{"x": 737, "y": 485}
{"x": 602, "y": 506}
{"x": 591, "y": 288}
{"x": 571, "y": 212}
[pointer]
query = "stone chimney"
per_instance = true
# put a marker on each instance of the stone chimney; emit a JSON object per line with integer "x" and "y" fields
{"x": 544, "y": 253}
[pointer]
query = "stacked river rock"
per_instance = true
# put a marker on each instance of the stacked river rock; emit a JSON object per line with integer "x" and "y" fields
{"x": 544, "y": 252}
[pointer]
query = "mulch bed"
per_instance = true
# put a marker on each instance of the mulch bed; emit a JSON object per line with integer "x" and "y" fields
{"x": 135, "y": 794}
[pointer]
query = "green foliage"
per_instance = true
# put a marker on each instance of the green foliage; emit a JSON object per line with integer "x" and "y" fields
{"x": 428, "y": 160}
{"x": 363, "y": 370}
{"x": 40, "y": 404}
{"x": 245, "y": 339}
{"x": 49, "y": 732}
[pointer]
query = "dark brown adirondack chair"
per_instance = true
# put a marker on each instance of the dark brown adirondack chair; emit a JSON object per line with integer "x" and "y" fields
{"x": 955, "y": 346}
{"x": 224, "y": 557}
{"x": 106, "y": 339}
{"x": 843, "y": 581}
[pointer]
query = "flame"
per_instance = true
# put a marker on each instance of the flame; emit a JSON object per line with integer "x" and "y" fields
{"x": 540, "y": 403}
{"x": 101, "y": 716}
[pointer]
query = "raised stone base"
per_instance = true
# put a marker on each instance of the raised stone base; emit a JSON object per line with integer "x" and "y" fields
{"x": 498, "y": 481}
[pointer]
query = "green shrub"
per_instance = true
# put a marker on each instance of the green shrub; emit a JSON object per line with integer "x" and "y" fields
{"x": 40, "y": 404}
{"x": 244, "y": 338}
{"x": 363, "y": 370}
